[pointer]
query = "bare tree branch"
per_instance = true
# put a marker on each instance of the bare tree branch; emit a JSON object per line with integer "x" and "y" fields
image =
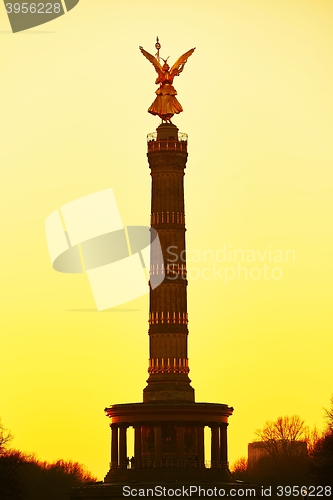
{"x": 5, "y": 438}
{"x": 329, "y": 416}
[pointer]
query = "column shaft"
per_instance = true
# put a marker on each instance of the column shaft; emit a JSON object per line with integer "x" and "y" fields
{"x": 137, "y": 446}
{"x": 215, "y": 450}
{"x": 122, "y": 447}
{"x": 201, "y": 445}
{"x": 168, "y": 331}
{"x": 224, "y": 446}
{"x": 158, "y": 445}
{"x": 114, "y": 446}
{"x": 180, "y": 445}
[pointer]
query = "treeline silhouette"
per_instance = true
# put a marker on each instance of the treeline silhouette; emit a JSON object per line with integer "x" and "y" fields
{"x": 23, "y": 477}
{"x": 287, "y": 453}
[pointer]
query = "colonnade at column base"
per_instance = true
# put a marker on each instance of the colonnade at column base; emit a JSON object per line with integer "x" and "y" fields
{"x": 169, "y": 442}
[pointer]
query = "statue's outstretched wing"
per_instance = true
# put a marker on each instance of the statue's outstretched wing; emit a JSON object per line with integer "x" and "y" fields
{"x": 178, "y": 67}
{"x": 153, "y": 60}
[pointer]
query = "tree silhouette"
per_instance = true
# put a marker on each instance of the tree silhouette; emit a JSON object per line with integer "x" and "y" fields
{"x": 322, "y": 453}
{"x": 239, "y": 470}
{"x": 11, "y": 475}
{"x": 329, "y": 416}
{"x": 54, "y": 481}
{"x": 284, "y": 429}
{"x": 23, "y": 477}
{"x": 280, "y": 457}
{"x": 5, "y": 438}
{"x": 322, "y": 460}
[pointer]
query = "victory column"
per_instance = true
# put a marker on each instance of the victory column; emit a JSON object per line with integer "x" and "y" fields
{"x": 169, "y": 438}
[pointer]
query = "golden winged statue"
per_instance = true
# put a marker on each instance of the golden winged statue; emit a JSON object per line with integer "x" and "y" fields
{"x": 166, "y": 104}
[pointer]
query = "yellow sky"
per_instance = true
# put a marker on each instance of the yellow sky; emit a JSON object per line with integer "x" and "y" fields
{"x": 258, "y": 106}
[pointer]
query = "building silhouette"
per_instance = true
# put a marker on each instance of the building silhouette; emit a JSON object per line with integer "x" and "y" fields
{"x": 169, "y": 437}
{"x": 280, "y": 449}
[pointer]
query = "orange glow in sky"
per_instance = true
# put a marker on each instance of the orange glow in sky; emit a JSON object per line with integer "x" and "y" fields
{"x": 258, "y": 107}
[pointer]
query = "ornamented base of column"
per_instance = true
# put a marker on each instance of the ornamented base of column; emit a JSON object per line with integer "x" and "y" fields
{"x": 166, "y": 388}
{"x": 169, "y": 448}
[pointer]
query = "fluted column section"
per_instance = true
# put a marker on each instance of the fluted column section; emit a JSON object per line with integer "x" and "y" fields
{"x": 201, "y": 445}
{"x": 224, "y": 445}
{"x": 168, "y": 359}
{"x": 158, "y": 445}
{"x": 137, "y": 446}
{"x": 215, "y": 446}
{"x": 114, "y": 446}
{"x": 123, "y": 446}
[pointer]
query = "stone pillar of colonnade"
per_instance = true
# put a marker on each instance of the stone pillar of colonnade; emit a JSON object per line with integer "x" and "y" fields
{"x": 114, "y": 446}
